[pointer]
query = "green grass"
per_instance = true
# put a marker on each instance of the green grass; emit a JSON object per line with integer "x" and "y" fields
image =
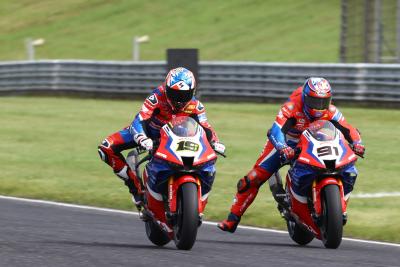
{"x": 48, "y": 150}
{"x": 256, "y": 30}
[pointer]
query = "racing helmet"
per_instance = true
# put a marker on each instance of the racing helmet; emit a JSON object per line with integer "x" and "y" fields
{"x": 317, "y": 96}
{"x": 180, "y": 86}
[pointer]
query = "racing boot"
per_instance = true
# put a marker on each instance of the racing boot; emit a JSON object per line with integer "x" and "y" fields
{"x": 230, "y": 224}
{"x": 134, "y": 185}
{"x": 247, "y": 190}
{"x": 137, "y": 196}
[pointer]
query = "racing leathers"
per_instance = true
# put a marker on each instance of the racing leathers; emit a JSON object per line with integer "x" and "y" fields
{"x": 283, "y": 136}
{"x": 154, "y": 113}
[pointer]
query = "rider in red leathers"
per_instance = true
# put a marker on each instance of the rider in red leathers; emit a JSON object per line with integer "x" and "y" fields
{"x": 175, "y": 97}
{"x": 308, "y": 103}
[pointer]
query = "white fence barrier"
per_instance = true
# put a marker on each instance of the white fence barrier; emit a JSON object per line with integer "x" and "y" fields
{"x": 377, "y": 83}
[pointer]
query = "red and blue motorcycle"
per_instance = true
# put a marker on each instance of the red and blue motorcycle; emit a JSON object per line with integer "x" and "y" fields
{"x": 177, "y": 181}
{"x": 318, "y": 185}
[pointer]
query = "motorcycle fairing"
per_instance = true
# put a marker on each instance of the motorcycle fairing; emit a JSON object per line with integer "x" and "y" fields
{"x": 159, "y": 171}
{"x": 349, "y": 175}
{"x": 315, "y": 152}
{"x": 302, "y": 176}
{"x": 168, "y": 148}
{"x": 300, "y": 211}
{"x": 348, "y": 155}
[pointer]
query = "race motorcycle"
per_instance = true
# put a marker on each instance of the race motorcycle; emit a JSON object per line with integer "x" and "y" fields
{"x": 318, "y": 185}
{"x": 177, "y": 181}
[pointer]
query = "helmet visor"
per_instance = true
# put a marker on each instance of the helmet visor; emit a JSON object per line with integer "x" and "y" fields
{"x": 179, "y": 97}
{"x": 316, "y": 102}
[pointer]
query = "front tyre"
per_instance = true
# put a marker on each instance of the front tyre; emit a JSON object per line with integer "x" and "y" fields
{"x": 332, "y": 217}
{"x": 185, "y": 229}
{"x": 155, "y": 234}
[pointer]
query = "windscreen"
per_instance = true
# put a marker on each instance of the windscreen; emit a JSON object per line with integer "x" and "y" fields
{"x": 183, "y": 126}
{"x": 322, "y": 130}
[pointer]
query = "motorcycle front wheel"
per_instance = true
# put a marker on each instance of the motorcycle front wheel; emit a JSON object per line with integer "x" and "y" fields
{"x": 185, "y": 229}
{"x": 332, "y": 217}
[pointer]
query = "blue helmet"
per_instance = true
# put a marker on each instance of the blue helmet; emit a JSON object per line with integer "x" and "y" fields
{"x": 317, "y": 96}
{"x": 180, "y": 87}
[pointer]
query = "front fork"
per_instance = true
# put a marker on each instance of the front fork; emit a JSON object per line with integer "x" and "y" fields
{"x": 173, "y": 188}
{"x": 317, "y": 188}
{"x": 164, "y": 211}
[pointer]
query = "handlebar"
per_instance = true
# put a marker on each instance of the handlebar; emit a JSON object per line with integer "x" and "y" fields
{"x": 219, "y": 153}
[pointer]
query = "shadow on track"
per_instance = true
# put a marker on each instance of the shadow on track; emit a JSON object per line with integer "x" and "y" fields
{"x": 102, "y": 244}
{"x": 252, "y": 243}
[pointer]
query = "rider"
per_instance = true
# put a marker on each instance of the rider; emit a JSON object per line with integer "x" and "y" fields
{"x": 175, "y": 97}
{"x": 308, "y": 103}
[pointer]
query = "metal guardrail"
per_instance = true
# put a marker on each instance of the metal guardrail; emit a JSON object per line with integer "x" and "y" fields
{"x": 378, "y": 83}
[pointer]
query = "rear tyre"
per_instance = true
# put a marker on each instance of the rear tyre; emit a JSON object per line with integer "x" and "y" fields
{"x": 185, "y": 229}
{"x": 155, "y": 234}
{"x": 332, "y": 217}
{"x": 299, "y": 234}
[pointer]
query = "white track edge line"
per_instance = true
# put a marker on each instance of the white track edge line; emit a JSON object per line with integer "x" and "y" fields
{"x": 376, "y": 195}
{"x": 204, "y": 222}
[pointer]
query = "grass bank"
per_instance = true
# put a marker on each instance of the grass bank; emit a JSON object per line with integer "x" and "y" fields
{"x": 255, "y": 30}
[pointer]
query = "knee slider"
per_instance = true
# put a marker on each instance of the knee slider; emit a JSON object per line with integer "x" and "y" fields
{"x": 102, "y": 154}
{"x": 104, "y": 149}
{"x": 243, "y": 185}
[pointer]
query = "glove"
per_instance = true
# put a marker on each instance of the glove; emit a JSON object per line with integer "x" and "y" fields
{"x": 287, "y": 153}
{"x": 144, "y": 141}
{"x": 218, "y": 147}
{"x": 359, "y": 149}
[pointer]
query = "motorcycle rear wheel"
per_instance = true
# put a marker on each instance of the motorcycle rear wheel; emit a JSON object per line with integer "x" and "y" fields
{"x": 185, "y": 229}
{"x": 298, "y": 234}
{"x": 155, "y": 234}
{"x": 332, "y": 217}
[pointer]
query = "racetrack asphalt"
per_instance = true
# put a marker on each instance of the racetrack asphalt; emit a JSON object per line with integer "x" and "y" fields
{"x": 44, "y": 234}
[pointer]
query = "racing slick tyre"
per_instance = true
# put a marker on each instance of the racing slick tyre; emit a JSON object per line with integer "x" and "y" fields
{"x": 187, "y": 220}
{"x": 299, "y": 234}
{"x": 155, "y": 234}
{"x": 332, "y": 217}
